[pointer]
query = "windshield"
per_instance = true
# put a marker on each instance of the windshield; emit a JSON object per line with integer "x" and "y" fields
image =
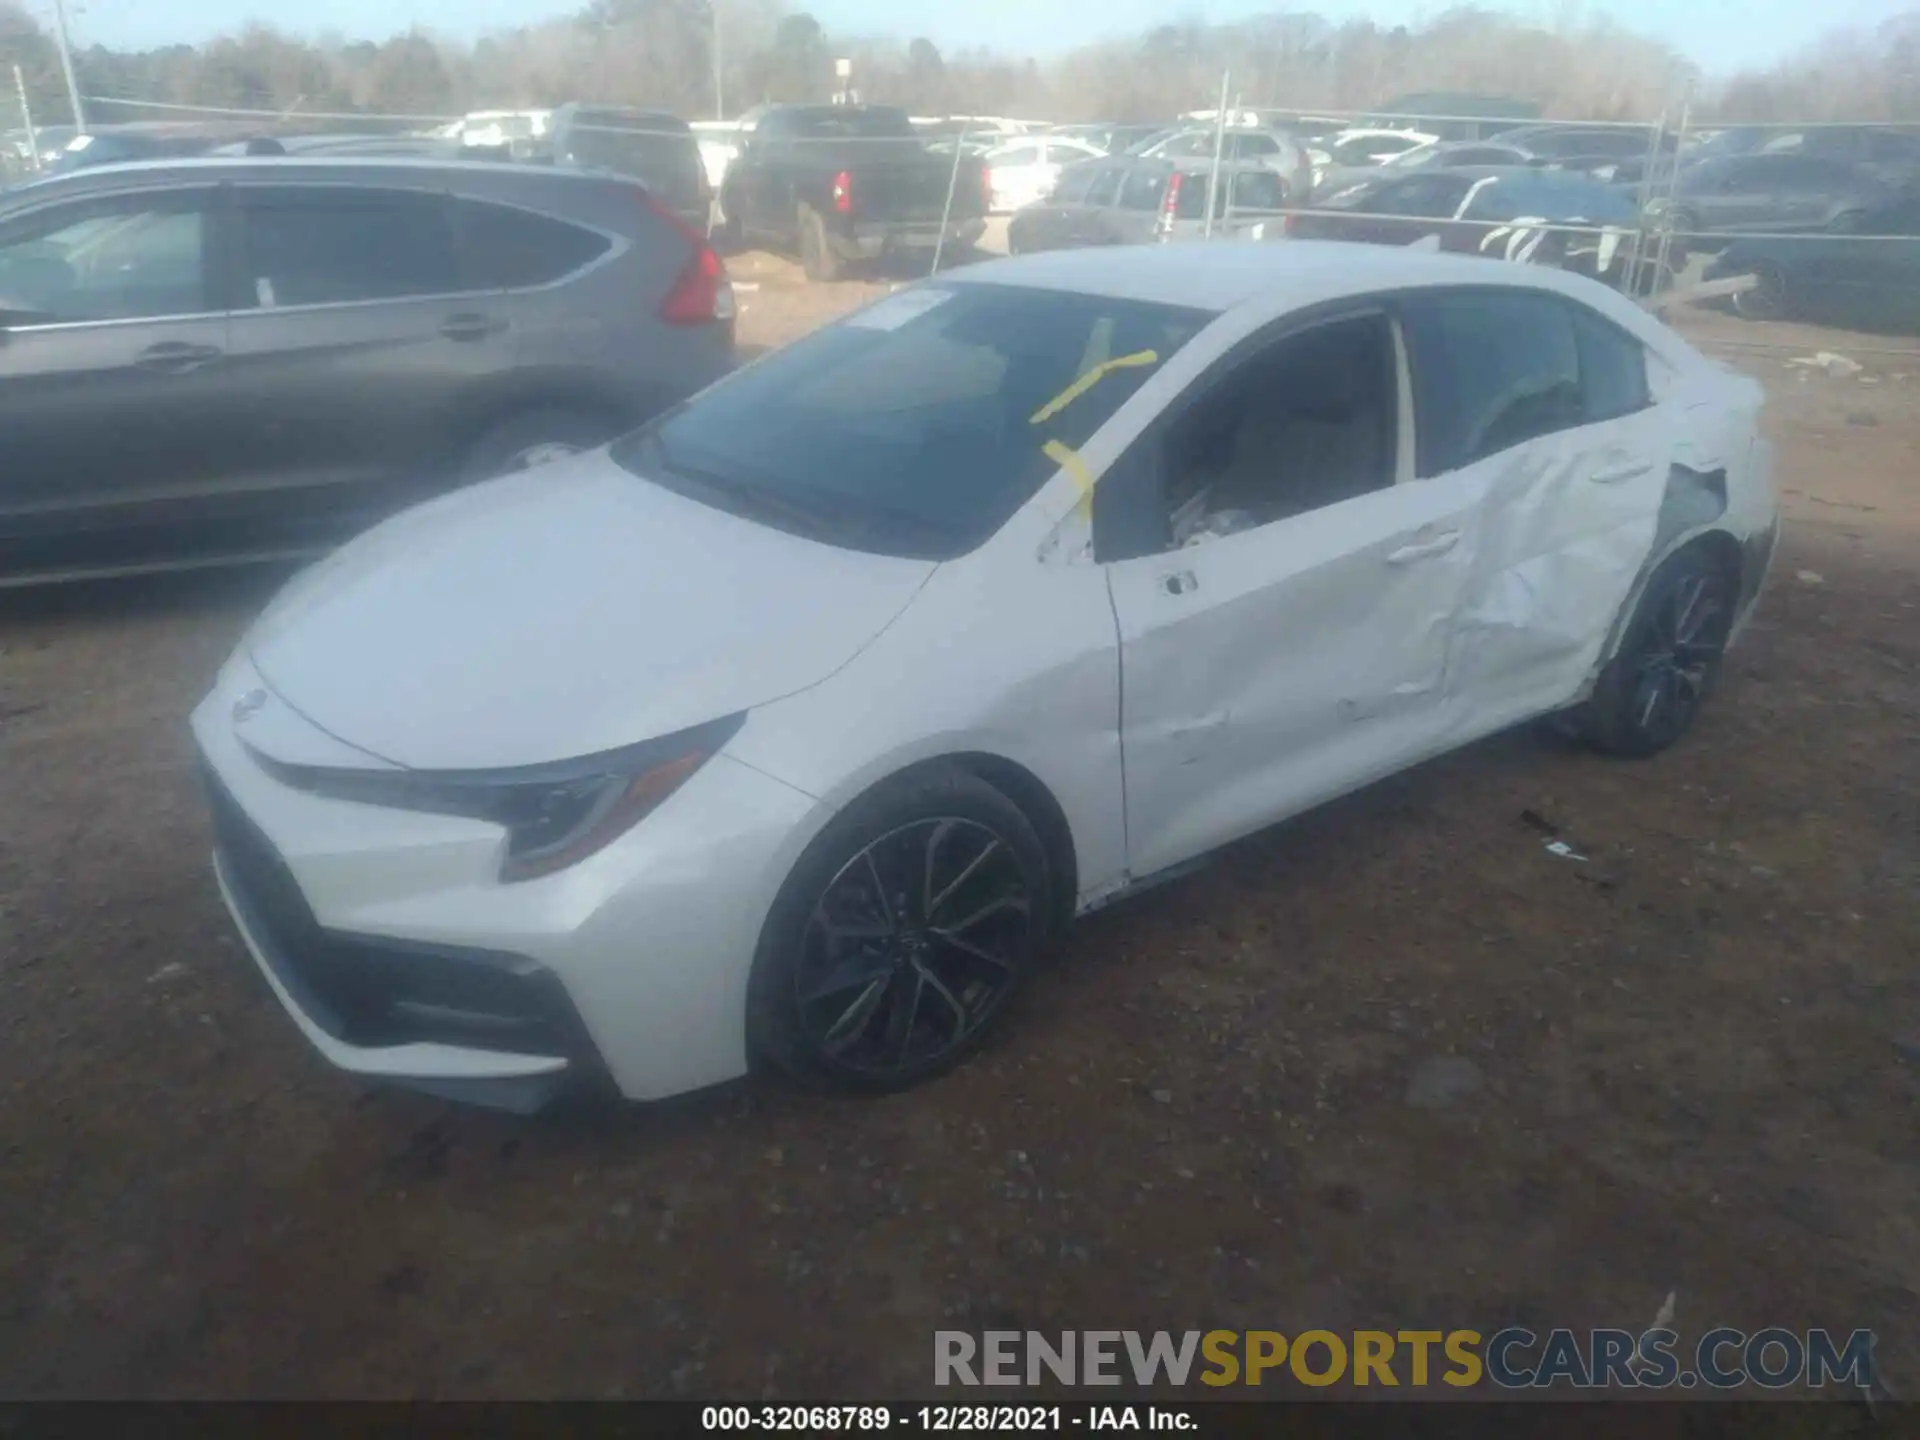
{"x": 917, "y": 426}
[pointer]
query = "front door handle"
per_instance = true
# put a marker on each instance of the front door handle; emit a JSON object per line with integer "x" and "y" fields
{"x": 1180, "y": 582}
{"x": 175, "y": 357}
{"x": 1439, "y": 545}
{"x": 471, "y": 327}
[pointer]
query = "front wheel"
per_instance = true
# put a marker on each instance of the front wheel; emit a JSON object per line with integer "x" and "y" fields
{"x": 902, "y": 935}
{"x": 530, "y": 439}
{"x": 1650, "y": 692}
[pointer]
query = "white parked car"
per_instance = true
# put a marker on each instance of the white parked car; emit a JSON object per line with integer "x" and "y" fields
{"x": 1356, "y": 148}
{"x": 793, "y": 724}
{"x": 1026, "y": 170}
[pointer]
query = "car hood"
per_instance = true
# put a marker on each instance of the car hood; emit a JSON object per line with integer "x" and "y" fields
{"x": 558, "y": 613}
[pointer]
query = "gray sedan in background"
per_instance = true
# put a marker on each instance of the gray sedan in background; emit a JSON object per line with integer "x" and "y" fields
{"x": 215, "y": 360}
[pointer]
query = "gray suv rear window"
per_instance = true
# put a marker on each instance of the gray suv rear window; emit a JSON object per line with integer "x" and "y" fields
{"x": 323, "y": 245}
{"x": 503, "y": 248}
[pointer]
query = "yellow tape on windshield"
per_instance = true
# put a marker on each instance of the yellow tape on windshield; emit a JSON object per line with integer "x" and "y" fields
{"x": 1092, "y": 378}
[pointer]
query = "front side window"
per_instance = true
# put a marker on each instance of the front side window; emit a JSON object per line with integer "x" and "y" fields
{"x": 325, "y": 246}
{"x": 128, "y": 258}
{"x": 1303, "y": 423}
{"x": 917, "y": 426}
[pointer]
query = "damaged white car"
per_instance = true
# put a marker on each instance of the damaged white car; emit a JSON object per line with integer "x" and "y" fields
{"x": 789, "y": 726}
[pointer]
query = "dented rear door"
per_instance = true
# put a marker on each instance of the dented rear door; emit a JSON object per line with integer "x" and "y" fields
{"x": 1546, "y": 407}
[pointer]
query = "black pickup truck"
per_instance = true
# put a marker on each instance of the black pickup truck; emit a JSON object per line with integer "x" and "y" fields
{"x": 838, "y": 183}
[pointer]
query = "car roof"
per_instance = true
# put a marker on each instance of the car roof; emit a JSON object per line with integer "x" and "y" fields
{"x": 1220, "y": 278}
{"x": 309, "y": 165}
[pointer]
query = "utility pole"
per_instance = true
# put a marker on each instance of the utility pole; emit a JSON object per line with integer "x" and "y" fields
{"x": 66, "y": 64}
{"x": 719, "y": 69}
{"x": 26, "y": 118}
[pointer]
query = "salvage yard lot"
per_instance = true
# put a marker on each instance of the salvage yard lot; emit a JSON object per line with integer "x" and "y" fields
{"x": 1394, "y": 1065}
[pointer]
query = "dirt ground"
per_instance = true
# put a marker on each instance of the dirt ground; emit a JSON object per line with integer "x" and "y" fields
{"x": 1693, "y": 1058}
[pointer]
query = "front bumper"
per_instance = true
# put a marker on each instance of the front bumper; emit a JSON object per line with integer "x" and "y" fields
{"x": 389, "y": 939}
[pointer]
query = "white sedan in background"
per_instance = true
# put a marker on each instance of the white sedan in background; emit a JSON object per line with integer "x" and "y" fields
{"x": 1026, "y": 170}
{"x": 791, "y": 725}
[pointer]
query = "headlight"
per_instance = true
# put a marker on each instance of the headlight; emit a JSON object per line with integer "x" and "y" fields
{"x": 554, "y": 815}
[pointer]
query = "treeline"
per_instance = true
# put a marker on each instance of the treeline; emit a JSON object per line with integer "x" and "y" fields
{"x": 663, "y": 52}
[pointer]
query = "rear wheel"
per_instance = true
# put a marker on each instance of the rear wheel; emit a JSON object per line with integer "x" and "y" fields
{"x": 902, "y": 935}
{"x": 817, "y": 256}
{"x": 1767, "y": 299}
{"x": 1668, "y": 659}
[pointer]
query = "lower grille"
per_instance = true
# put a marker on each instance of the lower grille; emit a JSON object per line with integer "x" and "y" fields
{"x": 371, "y": 991}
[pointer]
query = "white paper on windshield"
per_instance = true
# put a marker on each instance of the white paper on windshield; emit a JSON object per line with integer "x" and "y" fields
{"x": 897, "y": 309}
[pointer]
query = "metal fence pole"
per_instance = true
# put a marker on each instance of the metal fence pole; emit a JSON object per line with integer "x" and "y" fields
{"x": 1673, "y": 189}
{"x": 953, "y": 184}
{"x": 1219, "y": 144}
{"x": 26, "y": 119}
{"x": 1655, "y": 147}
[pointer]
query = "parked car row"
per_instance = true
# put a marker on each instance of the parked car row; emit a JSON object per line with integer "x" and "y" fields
{"x": 209, "y": 358}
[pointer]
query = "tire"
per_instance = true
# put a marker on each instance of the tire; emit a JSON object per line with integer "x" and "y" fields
{"x": 817, "y": 256}
{"x": 862, "y": 986}
{"x": 527, "y": 439}
{"x": 1767, "y": 300}
{"x": 1669, "y": 657}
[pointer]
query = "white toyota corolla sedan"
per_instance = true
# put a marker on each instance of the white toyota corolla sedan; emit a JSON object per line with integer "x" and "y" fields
{"x": 790, "y": 725}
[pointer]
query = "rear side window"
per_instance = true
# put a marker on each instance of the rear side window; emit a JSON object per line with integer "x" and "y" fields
{"x": 1142, "y": 190}
{"x": 1490, "y": 370}
{"x": 325, "y": 246}
{"x": 1248, "y": 147}
{"x": 505, "y": 248}
{"x": 1613, "y": 367}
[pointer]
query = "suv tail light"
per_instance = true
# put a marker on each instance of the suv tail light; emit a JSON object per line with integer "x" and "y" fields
{"x": 843, "y": 193}
{"x": 701, "y": 293}
{"x": 1172, "y": 202}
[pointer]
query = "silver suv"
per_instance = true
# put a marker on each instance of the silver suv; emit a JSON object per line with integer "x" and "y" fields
{"x": 212, "y": 360}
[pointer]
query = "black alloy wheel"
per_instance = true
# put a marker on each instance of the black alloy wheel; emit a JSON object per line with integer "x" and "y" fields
{"x": 902, "y": 934}
{"x": 1651, "y": 691}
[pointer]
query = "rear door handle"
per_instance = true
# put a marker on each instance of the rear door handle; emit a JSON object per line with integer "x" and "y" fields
{"x": 175, "y": 357}
{"x": 1619, "y": 473}
{"x": 471, "y": 327}
{"x": 1439, "y": 545}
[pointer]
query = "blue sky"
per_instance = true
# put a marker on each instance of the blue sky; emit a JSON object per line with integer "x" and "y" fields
{"x": 1719, "y": 35}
